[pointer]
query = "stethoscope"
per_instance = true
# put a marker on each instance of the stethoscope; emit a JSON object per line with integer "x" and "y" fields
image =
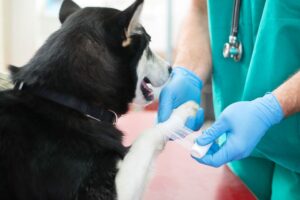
{"x": 234, "y": 48}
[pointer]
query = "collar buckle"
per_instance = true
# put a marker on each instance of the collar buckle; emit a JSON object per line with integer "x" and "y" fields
{"x": 115, "y": 120}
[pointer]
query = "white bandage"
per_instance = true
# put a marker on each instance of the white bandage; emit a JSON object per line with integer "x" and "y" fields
{"x": 175, "y": 130}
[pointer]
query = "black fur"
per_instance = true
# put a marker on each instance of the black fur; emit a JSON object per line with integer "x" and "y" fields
{"x": 48, "y": 151}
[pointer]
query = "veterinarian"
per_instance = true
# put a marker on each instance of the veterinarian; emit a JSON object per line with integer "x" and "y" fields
{"x": 256, "y": 88}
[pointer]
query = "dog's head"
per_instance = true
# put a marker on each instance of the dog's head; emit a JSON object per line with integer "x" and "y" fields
{"x": 100, "y": 55}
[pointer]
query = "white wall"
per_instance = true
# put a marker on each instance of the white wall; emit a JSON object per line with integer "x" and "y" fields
{"x": 2, "y": 61}
{"x": 23, "y": 22}
{"x": 18, "y": 22}
{"x": 29, "y": 24}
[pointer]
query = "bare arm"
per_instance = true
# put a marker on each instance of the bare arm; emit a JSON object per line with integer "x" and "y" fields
{"x": 193, "y": 48}
{"x": 288, "y": 95}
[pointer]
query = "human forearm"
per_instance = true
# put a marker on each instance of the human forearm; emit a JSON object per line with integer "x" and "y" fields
{"x": 193, "y": 48}
{"x": 242, "y": 136}
{"x": 288, "y": 95}
{"x": 193, "y": 54}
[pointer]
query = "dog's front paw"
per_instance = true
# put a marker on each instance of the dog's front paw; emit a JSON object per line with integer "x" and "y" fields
{"x": 183, "y": 112}
{"x": 178, "y": 118}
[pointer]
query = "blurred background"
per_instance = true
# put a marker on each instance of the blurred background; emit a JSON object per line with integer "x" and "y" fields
{"x": 25, "y": 25}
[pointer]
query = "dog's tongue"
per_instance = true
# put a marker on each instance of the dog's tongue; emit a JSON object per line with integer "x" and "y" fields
{"x": 147, "y": 92}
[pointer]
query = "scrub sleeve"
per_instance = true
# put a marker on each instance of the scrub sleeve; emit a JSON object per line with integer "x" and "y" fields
{"x": 270, "y": 33}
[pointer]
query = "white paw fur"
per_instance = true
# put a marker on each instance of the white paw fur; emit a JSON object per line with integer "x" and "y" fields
{"x": 178, "y": 118}
{"x": 135, "y": 169}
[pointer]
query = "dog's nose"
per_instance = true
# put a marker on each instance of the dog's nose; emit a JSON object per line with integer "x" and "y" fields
{"x": 170, "y": 69}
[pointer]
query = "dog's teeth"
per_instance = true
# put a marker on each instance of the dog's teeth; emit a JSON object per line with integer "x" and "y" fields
{"x": 146, "y": 87}
{"x": 149, "y": 86}
{"x": 147, "y": 91}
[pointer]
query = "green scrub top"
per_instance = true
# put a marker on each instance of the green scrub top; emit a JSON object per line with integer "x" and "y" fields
{"x": 270, "y": 33}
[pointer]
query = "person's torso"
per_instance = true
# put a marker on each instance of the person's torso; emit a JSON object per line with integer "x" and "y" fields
{"x": 270, "y": 33}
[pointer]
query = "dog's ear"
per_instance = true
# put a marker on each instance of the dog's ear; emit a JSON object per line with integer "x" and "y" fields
{"x": 68, "y": 7}
{"x": 13, "y": 69}
{"x": 130, "y": 20}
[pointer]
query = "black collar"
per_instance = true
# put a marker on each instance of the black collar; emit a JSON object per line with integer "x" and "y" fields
{"x": 91, "y": 111}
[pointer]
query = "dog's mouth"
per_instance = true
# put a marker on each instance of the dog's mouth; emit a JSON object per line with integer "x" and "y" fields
{"x": 146, "y": 88}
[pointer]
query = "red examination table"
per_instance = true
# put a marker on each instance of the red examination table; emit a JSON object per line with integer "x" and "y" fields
{"x": 177, "y": 176}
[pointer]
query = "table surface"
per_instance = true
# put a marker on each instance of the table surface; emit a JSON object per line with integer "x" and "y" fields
{"x": 178, "y": 177}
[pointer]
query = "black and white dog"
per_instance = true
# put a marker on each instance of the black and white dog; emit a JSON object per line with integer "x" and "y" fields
{"x": 57, "y": 135}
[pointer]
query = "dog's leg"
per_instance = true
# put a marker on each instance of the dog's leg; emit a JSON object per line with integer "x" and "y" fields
{"x": 134, "y": 170}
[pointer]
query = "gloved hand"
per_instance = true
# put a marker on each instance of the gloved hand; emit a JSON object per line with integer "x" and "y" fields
{"x": 183, "y": 86}
{"x": 244, "y": 123}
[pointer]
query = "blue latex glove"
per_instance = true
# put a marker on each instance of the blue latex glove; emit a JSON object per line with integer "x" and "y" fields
{"x": 244, "y": 123}
{"x": 183, "y": 86}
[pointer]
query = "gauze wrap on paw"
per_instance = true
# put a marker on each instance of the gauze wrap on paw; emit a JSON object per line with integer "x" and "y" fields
{"x": 175, "y": 130}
